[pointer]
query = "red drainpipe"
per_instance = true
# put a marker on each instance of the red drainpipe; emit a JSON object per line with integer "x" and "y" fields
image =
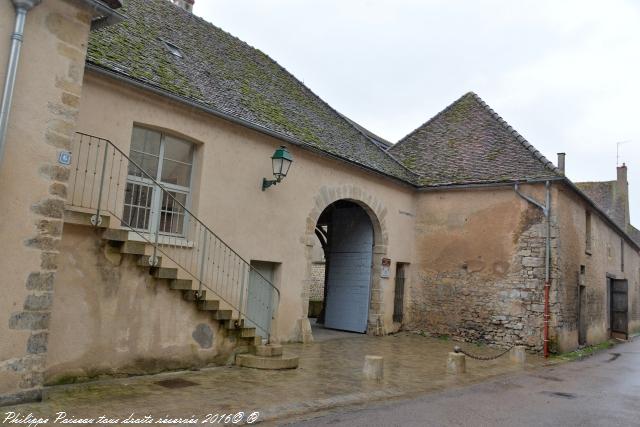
{"x": 547, "y": 314}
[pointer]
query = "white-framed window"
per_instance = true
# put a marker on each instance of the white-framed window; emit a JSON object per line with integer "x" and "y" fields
{"x": 169, "y": 161}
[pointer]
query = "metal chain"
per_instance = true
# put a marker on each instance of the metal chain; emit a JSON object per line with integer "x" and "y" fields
{"x": 457, "y": 349}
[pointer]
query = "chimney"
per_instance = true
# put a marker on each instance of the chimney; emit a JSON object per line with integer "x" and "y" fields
{"x": 622, "y": 194}
{"x": 561, "y": 157}
{"x": 185, "y": 4}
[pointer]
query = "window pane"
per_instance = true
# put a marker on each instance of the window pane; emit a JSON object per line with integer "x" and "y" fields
{"x": 172, "y": 213}
{"x": 176, "y": 173}
{"x": 137, "y": 206}
{"x": 148, "y": 163}
{"x": 177, "y": 149}
{"x": 146, "y": 141}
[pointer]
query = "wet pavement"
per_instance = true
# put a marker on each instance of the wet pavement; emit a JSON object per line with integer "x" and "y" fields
{"x": 329, "y": 376}
{"x": 602, "y": 390}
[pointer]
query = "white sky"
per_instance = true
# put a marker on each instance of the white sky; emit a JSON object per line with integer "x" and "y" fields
{"x": 564, "y": 73}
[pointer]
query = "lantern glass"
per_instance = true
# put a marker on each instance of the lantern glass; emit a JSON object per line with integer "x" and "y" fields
{"x": 281, "y": 161}
{"x": 277, "y": 168}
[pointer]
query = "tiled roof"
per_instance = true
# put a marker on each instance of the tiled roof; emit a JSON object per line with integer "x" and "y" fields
{"x": 222, "y": 73}
{"x": 468, "y": 143}
{"x": 603, "y": 195}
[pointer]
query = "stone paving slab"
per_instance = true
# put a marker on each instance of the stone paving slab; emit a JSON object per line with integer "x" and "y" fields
{"x": 330, "y": 375}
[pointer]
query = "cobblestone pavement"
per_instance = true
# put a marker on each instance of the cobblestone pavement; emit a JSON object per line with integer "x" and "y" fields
{"x": 330, "y": 375}
{"x": 602, "y": 390}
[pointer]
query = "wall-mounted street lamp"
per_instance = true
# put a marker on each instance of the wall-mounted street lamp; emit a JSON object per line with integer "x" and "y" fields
{"x": 280, "y": 161}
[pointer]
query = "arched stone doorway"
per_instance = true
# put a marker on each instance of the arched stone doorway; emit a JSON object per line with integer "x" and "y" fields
{"x": 364, "y": 212}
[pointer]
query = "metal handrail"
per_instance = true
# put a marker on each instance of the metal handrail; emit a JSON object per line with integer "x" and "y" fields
{"x": 201, "y": 267}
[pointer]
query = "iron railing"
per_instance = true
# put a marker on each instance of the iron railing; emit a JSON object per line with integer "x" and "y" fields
{"x": 105, "y": 181}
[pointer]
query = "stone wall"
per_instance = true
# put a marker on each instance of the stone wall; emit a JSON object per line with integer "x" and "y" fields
{"x": 41, "y": 124}
{"x": 600, "y": 262}
{"x": 316, "y": 291}
{"x": 481, "y": 267}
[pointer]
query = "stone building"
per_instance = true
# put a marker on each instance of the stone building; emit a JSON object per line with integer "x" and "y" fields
{"x": 143, "y": 230}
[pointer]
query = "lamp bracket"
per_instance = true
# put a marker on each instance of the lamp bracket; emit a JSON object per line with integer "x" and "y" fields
{"x": 266, "y": 183}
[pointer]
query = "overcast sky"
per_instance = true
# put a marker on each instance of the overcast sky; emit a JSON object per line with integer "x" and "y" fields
{"x": 565, "y": 74}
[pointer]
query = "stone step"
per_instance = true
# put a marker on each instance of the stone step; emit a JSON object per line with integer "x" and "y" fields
{"x": 286, "y": 361}
{"x": 222, "y": 314}
{"x": 115, "y": 235}
{"x": 255, "y": 341}
{"x": 192, "y": 295}
{"x": 233, "y": 323}
{"x": 209, "y": 305}
{"x": 72, "y": 216}
{"x": 165, "y": 273}
{"x": 133, "y": 248}
{"x": 144, "y": 261}
{"x": 267, "y": 350}
{"x": 247, "y": 332}
{"x": 181, "y": 284}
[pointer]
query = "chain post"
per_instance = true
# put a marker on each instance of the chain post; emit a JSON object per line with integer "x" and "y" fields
{"x": 96, "y": 219}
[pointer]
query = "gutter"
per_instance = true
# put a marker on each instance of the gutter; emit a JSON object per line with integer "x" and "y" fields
{"x": 449, "y": 187}
{"x": 237, "y": 120}
{"x": 22, "y": 7}
{"x": 104, "y": 14}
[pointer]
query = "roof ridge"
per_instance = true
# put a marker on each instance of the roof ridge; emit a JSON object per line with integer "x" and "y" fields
{"x": 611, "y": 181}
{"x": 538, "y": 155}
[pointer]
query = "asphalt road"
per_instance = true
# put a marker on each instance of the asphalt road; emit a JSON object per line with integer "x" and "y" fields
{"x": 602, "y": 390}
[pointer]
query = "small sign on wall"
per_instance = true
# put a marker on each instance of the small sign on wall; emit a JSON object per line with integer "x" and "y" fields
{"x": 64, "y": 158}
{"x": 386, "y": 267}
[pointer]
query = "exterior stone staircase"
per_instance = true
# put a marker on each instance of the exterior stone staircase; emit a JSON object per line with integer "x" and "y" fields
{"x": 251, "y": 350}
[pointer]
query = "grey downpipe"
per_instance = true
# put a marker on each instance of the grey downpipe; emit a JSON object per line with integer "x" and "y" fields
{"x": 546, "y": 210}
{"x": 22, "y": 7}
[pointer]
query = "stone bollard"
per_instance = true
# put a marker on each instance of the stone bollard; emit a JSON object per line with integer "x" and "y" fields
{"x": 518, "y": 355}
{"x": 373, "y": 369}
{"x": 456, "y": 363}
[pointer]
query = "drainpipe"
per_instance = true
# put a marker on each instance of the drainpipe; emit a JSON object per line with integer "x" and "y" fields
{"x": 22, "y": 7}
{"x": 546, "y": 210}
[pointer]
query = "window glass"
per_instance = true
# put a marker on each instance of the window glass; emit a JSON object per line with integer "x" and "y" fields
{"x": 176, "y": 173}
{"x": 177, "y": 149}
{"x": 143, "y": 162}
{"x": 146, "y": 141}
{"x": 145, "y": 148}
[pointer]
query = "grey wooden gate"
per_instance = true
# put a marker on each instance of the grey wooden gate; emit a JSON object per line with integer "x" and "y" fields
{"x": 349, "y": 275}
{"x": 619, "y": 307}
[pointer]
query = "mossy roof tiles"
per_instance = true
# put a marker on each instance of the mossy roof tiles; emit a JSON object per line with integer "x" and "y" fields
{"x": 221, "y": 72}
{"x": 465, "y": 143}
{"x": 468, "y": 143}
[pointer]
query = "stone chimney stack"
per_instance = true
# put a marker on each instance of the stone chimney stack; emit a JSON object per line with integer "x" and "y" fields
{"x": 622, "y": 193}
{"x": 561, "y": 157}
{"x": 185, "y": 4}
